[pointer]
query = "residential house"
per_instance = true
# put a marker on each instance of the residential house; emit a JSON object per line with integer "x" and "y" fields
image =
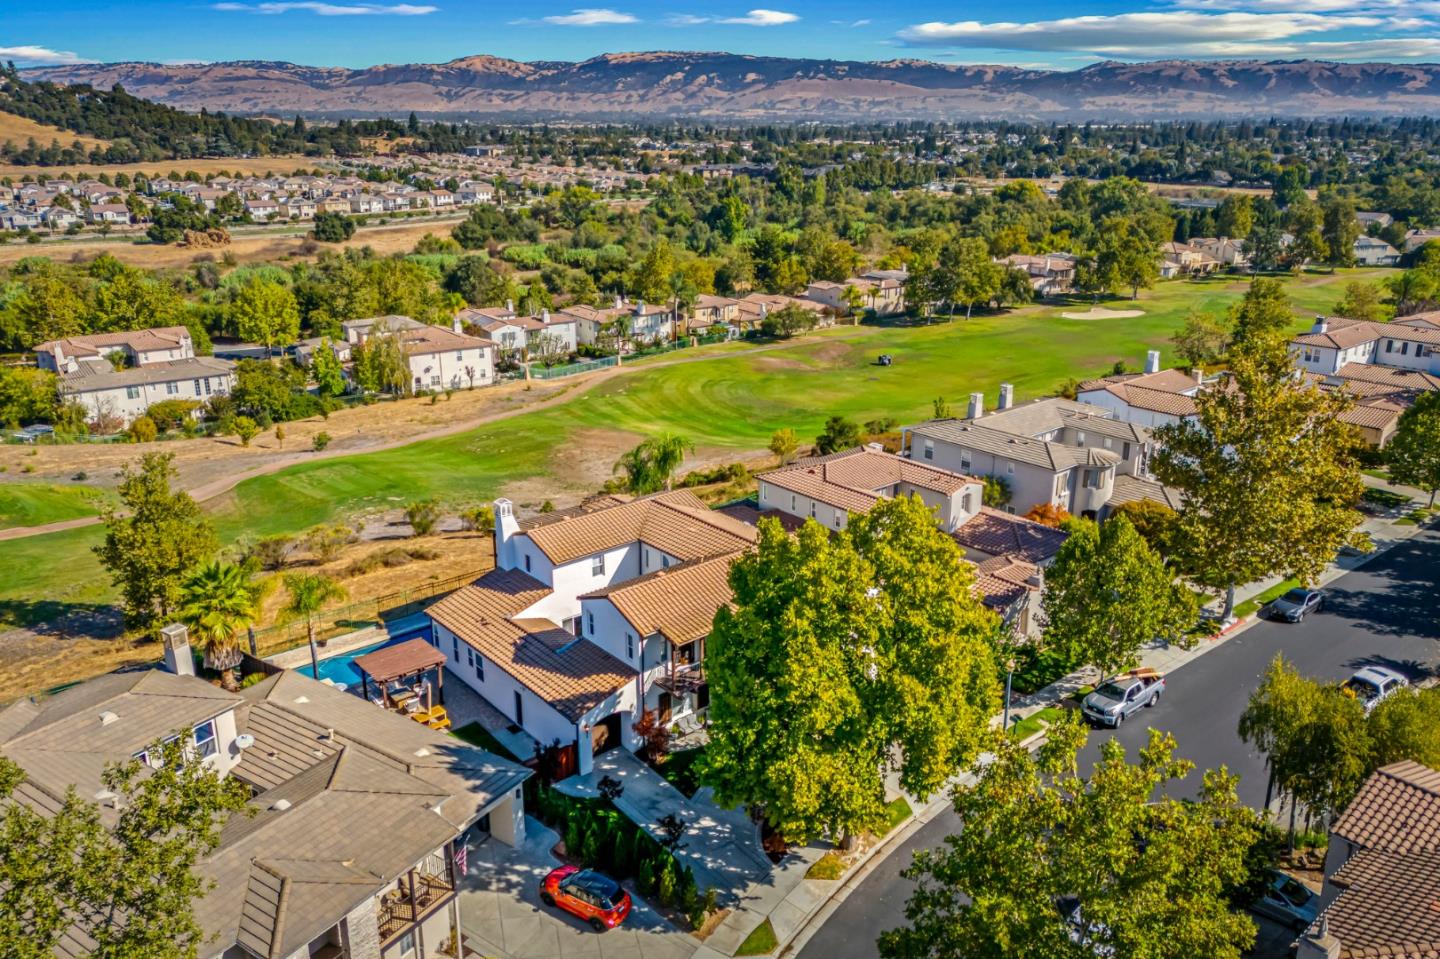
{"x": 366, "y": 203}
{"x": 592, "y": 615}
{"x": 117, "y": 213}
{"x": 514, "y": 334}
{"x": 1153, "y": 398}
{"x": 881, "y": 293}
{"x": 1228, "y": 252}
{"x": 263, "y": 209}
{"x": 359, "y": 820}
{"x": 1183, "y": 259}
{"x": 472, "y": 192}
{"x": 644, "y": 323}
{"x": 442, "y": 358}
{"x": 829, "y": 488}
{"x": 1011, "y": 555}
{"x": 1382, "y": 871}
{"x": 1415, "y": 239}
{"x": 136, "y": 348}
{"x": 1053, "y": 451}
{"x": 109, "y": 394}
{"x": 1369, "y": 218}
{"x": 1051, "y": 274}
{"x": 358, "y": 331}
{"x": 1373, "y": 251}
{"x": 1411, "y": 342}
{"x": 298, "y": 208}
{"x": 710, "y": 311}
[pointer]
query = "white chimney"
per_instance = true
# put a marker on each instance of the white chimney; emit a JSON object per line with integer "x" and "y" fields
{"x": 544, "y": 316}
{"x": 509, "y": 306}
{"x": 1152, "y": 361}
{"x": 1199, "y": 376}
{"x": 977, "y": 406}
{"x": 1321, "y": 325}
{"x": 1007, "y": 396}
{"x": 619, "y": 301}
{"x": 1318, "y": 944}
{"x": 176, "y": 640}
{"x": 506, "y": 527}
{"x": 456, "y": 325}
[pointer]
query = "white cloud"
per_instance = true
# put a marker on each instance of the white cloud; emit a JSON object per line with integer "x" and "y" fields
{"x": 1314, "y": 6}
{"x": 851, "y": 23}
{"x": 331, "y": 9}
{"x": 761, "y": 18}
{"x": 590, "y": 18}
{"x": 30, "y": 55}
{"x": 687, "y": 20}
{"x": 1178, "y": 33}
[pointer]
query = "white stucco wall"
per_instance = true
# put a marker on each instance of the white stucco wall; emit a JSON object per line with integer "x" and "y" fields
{"x": 446, "y": 369}
{"x": 130, "y": 402}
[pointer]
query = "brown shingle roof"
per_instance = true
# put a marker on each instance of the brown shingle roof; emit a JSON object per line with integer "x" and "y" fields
{"x": 1132, "y": 489}
{"x": 676, "y": 522}
{"x": 679, "y": 602}
{"x": 1389, "y": 906}
{"x": 1397, "y": 810}
{"x": 1389, "y": 376}
{"x": 999, "y": 534}
{"x": 572, "y": 674}
{"x": 854, "y": 479}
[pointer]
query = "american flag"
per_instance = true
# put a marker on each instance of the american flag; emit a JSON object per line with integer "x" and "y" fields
{"x": 462, "y": 858}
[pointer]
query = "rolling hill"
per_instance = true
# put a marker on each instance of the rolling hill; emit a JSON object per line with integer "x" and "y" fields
{"x": 732, "y": 86}
{"x": 19, "y": 130}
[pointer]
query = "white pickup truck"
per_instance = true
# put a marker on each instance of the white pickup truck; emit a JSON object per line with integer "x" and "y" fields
{"x": 1113, "y": 701}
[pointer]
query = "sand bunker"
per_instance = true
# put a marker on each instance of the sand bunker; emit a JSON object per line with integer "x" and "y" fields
{"x": 1100, "y": 313}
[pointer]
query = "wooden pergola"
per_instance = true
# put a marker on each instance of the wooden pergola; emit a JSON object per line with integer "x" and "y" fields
{"x": 402, "y": 663}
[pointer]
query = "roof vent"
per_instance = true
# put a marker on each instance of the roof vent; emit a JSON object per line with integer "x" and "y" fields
{"x": 422, "y": 752}
{"x": 302, "y": 699}
{"x": 281, "y": 805}
{"x": 244, "y": 741}
{"x": 107, "y": 717}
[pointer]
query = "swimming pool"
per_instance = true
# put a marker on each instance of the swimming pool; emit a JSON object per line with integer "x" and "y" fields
{"x": 340, "y": 668}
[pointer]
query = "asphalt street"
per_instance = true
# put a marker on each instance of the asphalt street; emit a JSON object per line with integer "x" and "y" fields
{"x": 1385, "y": 613}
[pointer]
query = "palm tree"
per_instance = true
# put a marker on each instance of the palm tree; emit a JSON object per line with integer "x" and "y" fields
{"x": 667, "y": 452}
{"x": 217, "y": 601}
{"x": 309, "y": 594}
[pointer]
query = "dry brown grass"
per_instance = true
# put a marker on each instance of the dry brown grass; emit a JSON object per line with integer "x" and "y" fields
{"x": 18, "y": 130}
{"x": 384, "y": 240}
{"x": 278, "y": 165}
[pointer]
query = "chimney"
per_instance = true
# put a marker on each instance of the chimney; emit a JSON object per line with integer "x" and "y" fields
{"x": 1199, "y": 376}
{"x": 977, "y": 406}
{"x": 509, "y": 306}
{"x": 1007, "y": 396}
{"x": 456, "y": 325}
{"x": 1318, "y": 944}
{"x": 176, "y": 640}
{"x": 1322, "y": 324}
{"x": 1152, "y": 361}
{"x": 619, "y": 301}
{"x": 545, "y": 316}
{"x": 506, "y": 527}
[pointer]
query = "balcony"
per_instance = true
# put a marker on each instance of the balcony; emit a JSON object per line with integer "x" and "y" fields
{"x": 414, "y": 896}
{"x": 681, "y": 679}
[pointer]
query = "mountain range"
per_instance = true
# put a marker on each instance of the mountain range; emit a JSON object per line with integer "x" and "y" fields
{"x": 725, "y": 86}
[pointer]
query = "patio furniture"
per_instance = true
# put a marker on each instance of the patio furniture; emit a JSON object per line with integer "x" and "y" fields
{"x": 404, "y": 664}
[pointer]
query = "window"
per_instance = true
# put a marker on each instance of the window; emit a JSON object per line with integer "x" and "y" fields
{"x": 459, "y": 356}
{"x": 207, "y": 386}
{"x": 929, "y": 450}
{"x": 205, "y": 744}
{"x": 527, "y": 562}
{"x": 1108, "y": 442}
{"x": 964, "y": 461}
{"x": 1404, "y": 349}
{"x": 1094, "y": 479}
{"x": 519, "y": 709}
{"x": 1080, "y": 438}
{"x": 590, "y": 623}
{"x": 1389, "y": 346}
{"x": 664, "y": 561}
{"x": 966, "y": 503}
{"x": 407, "y": 944}
{"x": 812, "y": 509}
{"x": 629, "y": 646}
{"x": 792, "y": 502}
{"x": 480, "y": 667}
{"x": 469, "y": 656}
{"x": 1010, "y": 468}
{"x": 172, "y": 388}
{"x": 132, "y": 392}
{"x": 455, "y": 647}
{"x": 197, "y": 389}
{"x": 597, "y": 565}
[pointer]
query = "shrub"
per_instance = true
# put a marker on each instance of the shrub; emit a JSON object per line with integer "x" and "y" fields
{"x": 590, "y": 845}
{"x": 667, "y": 882}
{"x": 327, "y": 541}
{"x": 480, "y": 518}
{"x": 645, "y": 878}
{"x": 172, "y": 414}
{"x": 142, "y": 430}
{"x": 245, "y": 428}
{"x": 333, "y": 227}
{"x": 572, "y": 835}
{"x": 321, "y": 440}
{"x": 422, "y": 515}
{"x": 270, "y": 552}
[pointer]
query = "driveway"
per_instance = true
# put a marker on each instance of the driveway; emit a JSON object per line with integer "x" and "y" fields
{"x": 503, "y": 917}
{"x": 721, "y": 846}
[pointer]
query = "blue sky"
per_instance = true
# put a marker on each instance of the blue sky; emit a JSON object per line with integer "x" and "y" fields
{"x": 1053, "y": 33}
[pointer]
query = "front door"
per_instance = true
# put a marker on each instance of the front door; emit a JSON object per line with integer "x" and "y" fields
{"x": 665, "y": 707}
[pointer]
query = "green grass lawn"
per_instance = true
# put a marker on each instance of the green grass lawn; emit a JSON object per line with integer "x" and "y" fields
{"x": 828, "y": 866}
{"x": 760, "y": 942}
{"x": 35, "y": 504}
{"x": 1255, "y": 602}
{"x": 895, "y": 813}
{"x": 729, "y": 402}
{"x": 477, "y": 735}
{"x": 1035, "y": 722}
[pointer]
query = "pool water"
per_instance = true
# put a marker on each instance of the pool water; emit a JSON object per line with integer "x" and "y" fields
{"x": 340, "y": 668}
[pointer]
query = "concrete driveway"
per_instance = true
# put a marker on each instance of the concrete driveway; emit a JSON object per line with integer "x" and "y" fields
{"x": 503, "y": 917}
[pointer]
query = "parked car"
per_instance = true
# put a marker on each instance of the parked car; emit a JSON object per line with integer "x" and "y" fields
{"x": 592, "y": 896}
{"x": 1112, "y": 702}
{"x": 1287, "y": 900}
{"x": 1373, "y": 685}
{"x": 30, "y": 434}
{"x": 1293, "y": 606}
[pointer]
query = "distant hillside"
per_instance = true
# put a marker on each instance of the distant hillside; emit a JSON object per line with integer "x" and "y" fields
{"x": 723, "y": 85}
{"x": 20, "y": 130}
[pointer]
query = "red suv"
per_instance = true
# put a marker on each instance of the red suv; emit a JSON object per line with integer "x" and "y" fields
{"x": 596, "y": 898}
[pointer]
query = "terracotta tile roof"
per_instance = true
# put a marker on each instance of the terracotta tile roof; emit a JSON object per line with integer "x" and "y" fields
{"x": 1389, "y": 905}
{"x": 747, "y": 513}
{"x": 1374, "y": 413}
{"x": 854, "y": 479}
{"x": 1000, "y": 534}
{"x": 1389, "y": 376}
{"x": 679, "y": 602}
{"x": 1171, "y": 381}
{"x": 158, "y": 338}
{"x": 676, "y": 522}
{"x": 1146, "y": 398}
{"x": 1397, "y": 810}
{"x": 572, "y": 674}
{"x": 1001, "y": 580}
{"x": 425, "y": 340}
{"x": 1344, "y": 333}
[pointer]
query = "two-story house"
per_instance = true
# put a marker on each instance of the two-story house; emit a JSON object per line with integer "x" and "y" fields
{"x": 591, "y": 615}
{"x": 1153, "y": 398}
{"x": 358, "y": 824}
{"x": 1050, "y": 451}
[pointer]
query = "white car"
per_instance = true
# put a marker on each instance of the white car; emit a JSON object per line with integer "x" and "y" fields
{"x": 1373, "y": 685}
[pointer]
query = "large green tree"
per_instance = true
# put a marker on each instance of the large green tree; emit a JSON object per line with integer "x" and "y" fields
{"x": 265, "y": 311}
{"x": 130, "y": 887}
{"x": 219, "y": 601}
{"x": 1267, "y": 472}
{"x": 1109, "y": 593}
{"x": 1413, "y": 453}
{"x": 845, "y": 655}
{"x": 154, "y": 538}
{"x": 1150, "y": 874}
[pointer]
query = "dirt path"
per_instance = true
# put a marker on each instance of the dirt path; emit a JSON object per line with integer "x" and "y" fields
{"x": 196, "y": 475}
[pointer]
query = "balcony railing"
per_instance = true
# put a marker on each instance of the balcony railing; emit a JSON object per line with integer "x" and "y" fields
{"x": 422, "y": 894}
{"x": 682, "y": 680}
